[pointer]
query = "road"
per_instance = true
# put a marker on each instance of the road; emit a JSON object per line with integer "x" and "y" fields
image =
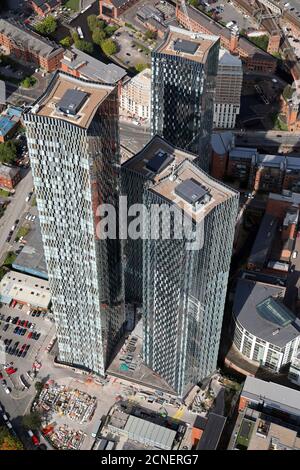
{"x": 283, "y": 140}
{"x": 133, "y": 137}
{"x": 14, "y": 211}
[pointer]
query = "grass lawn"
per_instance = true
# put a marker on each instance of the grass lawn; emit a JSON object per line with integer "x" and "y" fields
{"x": 10, "y": 258}
{"x": 73, "y": 4}
{"x": 33, "y": 201}
{"x": 22, "y": 232}
{"x": 4, "y": 193}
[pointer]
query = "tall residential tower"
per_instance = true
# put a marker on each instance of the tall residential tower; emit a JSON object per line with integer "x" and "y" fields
{"x": 184, "y": 69}
{"x": 184, "y": 284}
{"x": 73, "y": 140}
{"x": 228, "y": 90}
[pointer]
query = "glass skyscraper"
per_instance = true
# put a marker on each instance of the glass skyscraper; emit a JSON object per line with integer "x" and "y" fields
{"x": 184, "y": 289}
{"x": 184, "y": 69}
{"x": 73, "y": 139}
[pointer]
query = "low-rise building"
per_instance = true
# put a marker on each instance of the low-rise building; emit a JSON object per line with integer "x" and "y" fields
{"x": 228, "y": 90}
{"x": 82, "y": 65}
{"x": 9, "y": 122}
{"x": 44, "y": 7}
{"x": 259, "y": 172}
{"x": 9, "y": 176}
{"x": 254, "y": 59}
{"x": 272, "y": 399}
{"x": 113, "y": 9}
{"x": 24, "y": 289}
{"x": 140, "y": 430}
{"x": 28, "y": 46}
{"x": 136, "y": 95}
{"x": 2, "y": 95}
{"x": 31, "y": 260}
{"x": 265, "y": 330}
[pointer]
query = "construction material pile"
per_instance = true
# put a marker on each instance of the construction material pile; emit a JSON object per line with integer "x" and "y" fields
{"x": 72, "y": 403}
{"x": 65, "y": 438}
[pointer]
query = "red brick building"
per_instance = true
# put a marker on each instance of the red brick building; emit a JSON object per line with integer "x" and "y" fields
{"x": 28, "y": 46}
{"x": 113, "y": 9}
{"x": 254, "y": 59}
{"x": 44, "y": 7}
{"x": 9, "y": 177}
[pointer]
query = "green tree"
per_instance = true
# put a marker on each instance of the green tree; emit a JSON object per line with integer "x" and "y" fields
{"x": 194, "y": 3}
{"x": 110, "y": 30}
{"x": 94, "y": 23}
{"x": 150, "y": 34}
{"x": 38, "y": 386}
{"x": 28, "y": 82}
{"x": 7, "y": 441}
{"x": 109, "y": 47}
{"x": 66, "y": 42}
{"x": 46, "y": 26}
{"x": 32, "y": 420}
{"x": 98, "y": 36}
{"x": 8, "y": 152}
{"x": 84, "y": 46}
{"x": 140, "y": 67}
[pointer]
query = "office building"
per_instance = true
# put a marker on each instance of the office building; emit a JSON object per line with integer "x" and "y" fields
{"x": 184, "y": 69}
{"x": 183, "y": 289}
{"x": 228, "y": 90}
{"x": 73, "y": 140}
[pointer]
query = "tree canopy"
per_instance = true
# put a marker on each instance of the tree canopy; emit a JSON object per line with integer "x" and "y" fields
{"x": 46, "y": 26}
{"x": 109, "y": 47}
{"x": 66, "y": 42}
{"x": 8, "y": 152}
{"x": 32, "y": 420}
{"x": 140, "y": 67}
{"x": 7, "y": 441}
{"x": 98, "y": 36}
{"x": 94, "y": 23}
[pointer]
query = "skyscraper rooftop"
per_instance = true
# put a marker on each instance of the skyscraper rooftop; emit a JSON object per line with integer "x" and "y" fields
{"x": 193, "y": 46}
{"x": 72, "y": 99}
{"x": 177, "y": 179}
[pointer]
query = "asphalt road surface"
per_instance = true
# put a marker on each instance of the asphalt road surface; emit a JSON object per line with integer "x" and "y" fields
{"x": 14, "y": 211}
{"x": 133, "y": 137}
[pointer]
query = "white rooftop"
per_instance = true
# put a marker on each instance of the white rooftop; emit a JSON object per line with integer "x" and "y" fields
{"x": 25, "y": 289}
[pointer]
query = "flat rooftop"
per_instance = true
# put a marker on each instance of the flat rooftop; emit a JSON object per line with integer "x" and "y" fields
{"x": 189, "y": 185}
{"x": 259, "y": 309}
{"x": 62, "y": 89}
{"x": 91, "y": 68}
{"x": 25, "y": 289}
{"x": 266, "y": 436}
{"x": 264, "y": 240}
{"x": 183, "y": 43}
{"x": 31, "y": 260}
{"x": 258, "y": 390}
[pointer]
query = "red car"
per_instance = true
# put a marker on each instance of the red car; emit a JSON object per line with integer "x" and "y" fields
{"x": 35, "y": 440}
{"x": 11, "y": 370}
{"x": 30, "y": 334}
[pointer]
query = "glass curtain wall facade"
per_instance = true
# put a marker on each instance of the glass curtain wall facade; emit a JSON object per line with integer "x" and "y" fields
{"x": 75, "y": 168}
{"x": 182, "y": 99}
{"x": 184, "y": 296}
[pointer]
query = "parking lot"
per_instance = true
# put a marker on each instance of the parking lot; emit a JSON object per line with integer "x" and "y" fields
{"x": 231, "y": 12}
{"x": 24, "y": 333}
{"x": 131, "y": 48}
